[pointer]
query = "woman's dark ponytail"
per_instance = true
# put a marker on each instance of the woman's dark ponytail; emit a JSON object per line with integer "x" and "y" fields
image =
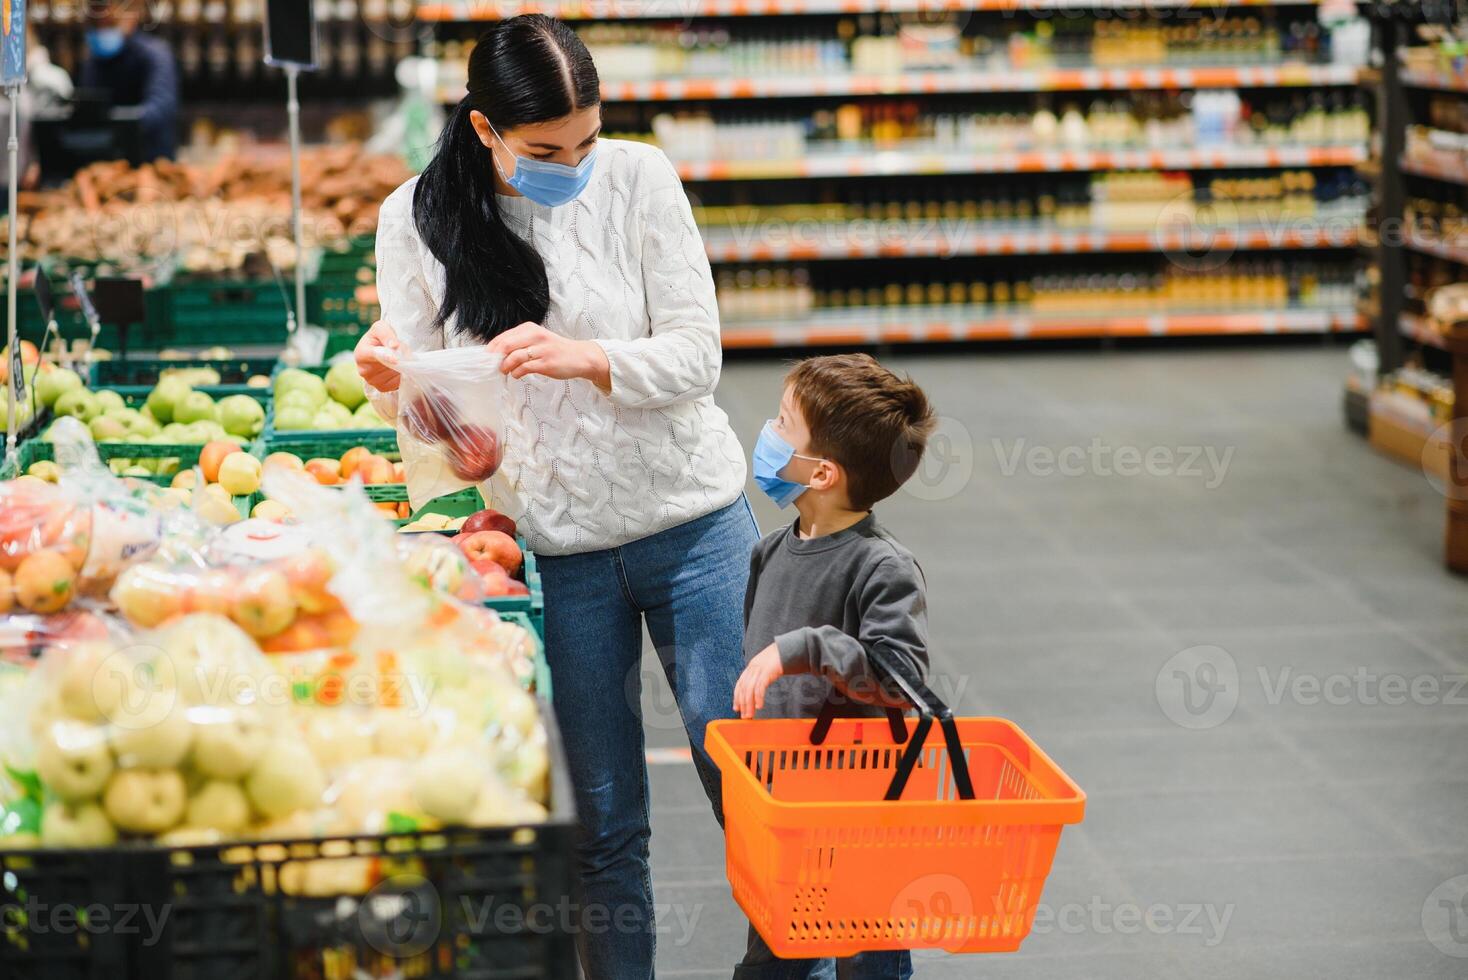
{"x": 527, "y": 69}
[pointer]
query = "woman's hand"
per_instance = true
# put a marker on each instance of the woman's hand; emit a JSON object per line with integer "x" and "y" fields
{"x": 532, "y": 349}
{"x": 372, "y": 370}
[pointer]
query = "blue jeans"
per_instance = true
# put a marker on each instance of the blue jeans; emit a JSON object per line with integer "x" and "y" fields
{"x": 687, "y": 583}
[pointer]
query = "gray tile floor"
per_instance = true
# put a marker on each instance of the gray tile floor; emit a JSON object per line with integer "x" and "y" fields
{"x": 1300, "y": 826}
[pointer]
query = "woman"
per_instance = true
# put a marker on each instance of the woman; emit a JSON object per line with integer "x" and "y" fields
{"x": 578, "y": 259}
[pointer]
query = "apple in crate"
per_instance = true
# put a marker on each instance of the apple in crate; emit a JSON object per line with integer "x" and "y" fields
{"x": 488, "y": 520}
{"x": 495, "y": 546}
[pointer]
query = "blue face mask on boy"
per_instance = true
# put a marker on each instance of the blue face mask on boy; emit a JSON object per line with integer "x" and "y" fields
{"x": 771, "y": 455}
{"x": 106, "y": 42}
{"x": 544, "y": 182}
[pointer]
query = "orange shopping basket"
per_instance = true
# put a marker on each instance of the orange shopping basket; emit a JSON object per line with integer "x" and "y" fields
{"x": 844, "y": 836}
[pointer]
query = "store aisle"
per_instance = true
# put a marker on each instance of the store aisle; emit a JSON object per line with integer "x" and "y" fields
{"x": 1295, "y": 825}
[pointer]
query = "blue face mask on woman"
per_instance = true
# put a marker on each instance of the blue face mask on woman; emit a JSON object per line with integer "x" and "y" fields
{"x": 771, "y": 455}
{"x": 105, "y": 42}
{"x": 544, "y": 182}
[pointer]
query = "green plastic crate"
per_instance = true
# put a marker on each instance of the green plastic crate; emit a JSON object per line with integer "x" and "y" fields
{"x": 187, "y": 455}
{"x": 143, "y": 372}
{"x": 206, "y": 312}
{"x": 332, "y": 445}
{"x": 327, "y": 437}
{"x": 540, "y": 678}
{"x": 532, "y": 606}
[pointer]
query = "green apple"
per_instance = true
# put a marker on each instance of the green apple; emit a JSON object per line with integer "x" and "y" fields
{"x": 228, "y": 743}
{"x": 196, "y": 406}
{"x": 294, "y": 379}
{"x": 23, "y": 413}
{"x": 54, "y": 383}
{"x": 218, "y": 806}
{"x": 445, "y": 787}
{"x": 286, "y": 779}
{"x": 110, "y": 401}
{"x": 344, "y": 384}
{"x": 292, "y": 418}
{"x": 296, "y": 399}
{"x": 63, "y": 825}
{"x": 366, "y": 417}
{"x": 79, "y": 403}
{"x": 167, "y": 393}
{"x": 241, "y": 415}
{"x": 73, "y": 760}
{"x": 175, "y": 433}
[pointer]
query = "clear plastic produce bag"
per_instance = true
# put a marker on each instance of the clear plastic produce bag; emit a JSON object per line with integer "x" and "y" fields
{"x": 450, "y": 419}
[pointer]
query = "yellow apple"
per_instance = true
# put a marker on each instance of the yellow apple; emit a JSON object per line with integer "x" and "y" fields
{"x": 159, "y": 742}
{"x": 240, "y": 474}
{"x": 285, "y": 779}
{"x": 73, "y": 760}
{"x": 219, "y": 806}
{"x": 142, "y": 801}
{"x": 227, "y": 741}
{"x": 84, "y": 825}
{"x": 446, "y": 785}
{"x": 271, "y": 510}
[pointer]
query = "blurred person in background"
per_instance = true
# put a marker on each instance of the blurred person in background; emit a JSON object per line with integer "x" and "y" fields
{"x": 47, "y": 90}
{"x": 136, "y": 71}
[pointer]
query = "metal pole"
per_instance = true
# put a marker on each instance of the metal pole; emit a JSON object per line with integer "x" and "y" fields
{"x": 293, "y": 108}
{"x": 12, "y": 93}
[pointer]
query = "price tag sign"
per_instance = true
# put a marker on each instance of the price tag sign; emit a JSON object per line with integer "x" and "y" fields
{"x": 44, "y": 297}
{"x": 17, "y": 374}
{"x": 12, "y": 42}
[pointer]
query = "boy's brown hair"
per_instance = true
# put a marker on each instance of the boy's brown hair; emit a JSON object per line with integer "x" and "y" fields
{"x": 864, "y": 417}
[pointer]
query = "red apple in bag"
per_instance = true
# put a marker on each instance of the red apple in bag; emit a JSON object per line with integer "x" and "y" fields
{"x": 473, "y": 452}
{"x": 429, "y": 419}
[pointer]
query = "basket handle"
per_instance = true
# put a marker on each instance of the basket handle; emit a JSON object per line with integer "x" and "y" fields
{"x": 928, "y": 706}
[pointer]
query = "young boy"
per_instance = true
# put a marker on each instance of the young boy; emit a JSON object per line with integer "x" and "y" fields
{"x": 833, "y": 585}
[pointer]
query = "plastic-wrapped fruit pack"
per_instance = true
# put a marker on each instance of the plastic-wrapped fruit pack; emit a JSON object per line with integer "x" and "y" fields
{"x": 174, "y": 732}
{"x": 450, "y": 420}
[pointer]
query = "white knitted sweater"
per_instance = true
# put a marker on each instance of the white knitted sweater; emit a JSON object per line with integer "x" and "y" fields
{"x": 627, "y": 269}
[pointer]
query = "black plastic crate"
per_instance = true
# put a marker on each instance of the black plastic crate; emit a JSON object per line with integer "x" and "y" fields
{"x": 248, "y": 911}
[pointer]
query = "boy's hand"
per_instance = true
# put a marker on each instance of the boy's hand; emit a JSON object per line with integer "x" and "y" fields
{"x": 759, "y": 674}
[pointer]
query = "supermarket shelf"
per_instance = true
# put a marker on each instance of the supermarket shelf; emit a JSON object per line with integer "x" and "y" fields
{"x": 1421, "y": 330}
{"x": 1429, "y": 245}
{"x": 877, "y": 162}
{"x": 919, "y": 327}
{"x": 1436, "y": 80}
{"x": 903, "y": 239}
{"x": 1421, "y": 168}
{"x": 1287, "y": 75}
{"x": 920, "y": 83}
{"x": 474, "y": 10}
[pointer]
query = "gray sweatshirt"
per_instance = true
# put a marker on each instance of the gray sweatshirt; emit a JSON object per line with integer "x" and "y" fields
{"x": 825, "y": 602}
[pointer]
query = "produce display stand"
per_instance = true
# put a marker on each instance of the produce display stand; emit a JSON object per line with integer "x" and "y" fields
{"x": 237, "y": 911}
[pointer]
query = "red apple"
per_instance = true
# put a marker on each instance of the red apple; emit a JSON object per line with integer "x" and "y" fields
{"x": 496, "y": 580}
{"x": 488, "y": 520}
{"x": 495, "y": 546}
{"x": 518, "y": 588}
{"x": 430, "y": 419}
{"x": 473, "y": 453}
